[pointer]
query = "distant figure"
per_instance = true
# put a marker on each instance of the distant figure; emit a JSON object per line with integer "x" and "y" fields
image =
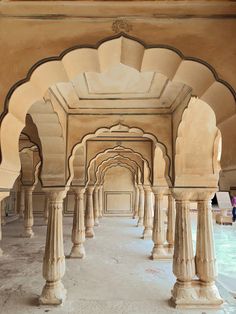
{"x": 234, "y": 208}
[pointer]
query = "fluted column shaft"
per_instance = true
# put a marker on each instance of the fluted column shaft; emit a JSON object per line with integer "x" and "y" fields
{"x": 136, "y": 202}
{"x": 22, "y": 202}
{"x": 96, "y": 206}
{"x": 2, "y": 196}
{"x": 140, "y": 205}
{"x": 183, "y": 260}
{"x": 3, "y": 214}
{"x": 170, "y": 236}
{"x": 28, "y": 212}
{"x": 148, "y": 218}
{"x": 158, "y": 235}
{"x": 78, "y": 229}
{"x": 100, "y": 200}
{"x": 89, "y": 217}
{"x": 54, "y": 259}
{"x": 46, "y": 209}
{"x": 205, "y": 251}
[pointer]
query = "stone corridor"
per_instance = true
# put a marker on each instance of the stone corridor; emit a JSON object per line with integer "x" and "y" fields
{"x": 115, "y": 277}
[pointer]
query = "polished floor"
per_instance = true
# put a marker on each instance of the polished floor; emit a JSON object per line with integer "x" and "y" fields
{"x": 117, "y": 275}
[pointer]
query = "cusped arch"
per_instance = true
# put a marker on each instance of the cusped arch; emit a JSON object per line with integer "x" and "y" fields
{"x": 114, "y": 128}
{"x": 100, "y": 180}
{"x": 120, "y": 150}
{"x": 116, "y": 159}
{"x": 122, "y": 49}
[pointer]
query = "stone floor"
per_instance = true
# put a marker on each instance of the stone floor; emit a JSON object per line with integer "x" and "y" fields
{"x": 116, "y": 276}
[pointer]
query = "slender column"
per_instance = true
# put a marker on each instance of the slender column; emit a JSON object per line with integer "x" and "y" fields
{"x": 2, "y": 196}
{"x": 140, "y": 206}
{"x": 136, "y": 202}
{"x": 78, "y": 230}
{"x": 100, "y": 199}
{"x": 45, "y": 212}
{"x": 3, "y": 214}
{"x": 171, "y": 223}
{"x": 28, "y": 213}
{"x": 22, "y": 202}
{"x": 96, "y": 206}
{"x": 54, "y": 259}
{"x": 205, "y": 252}
{"x": 148, "y": 218}
{"x": 89, "y": 217}
{"x": 158, "y": 236}
{"x": 183, "y": 292}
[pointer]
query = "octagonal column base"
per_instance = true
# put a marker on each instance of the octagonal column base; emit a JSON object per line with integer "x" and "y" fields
{"x": 161, "y": 252}
{"x": 77, "y": 251}
{"x": 196, "y": 294}
{"x": 147, "y": 234}
{"x": 53, "y": 293}
{"x": 89, "y": 233}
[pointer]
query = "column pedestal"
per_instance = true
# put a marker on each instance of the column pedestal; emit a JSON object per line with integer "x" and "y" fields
{"x": 22, "y": 202}
{"x": 28, "y": 212}
{"x": 148, "y": 219}
{"x": 136, "y": 203}
{"x": 184, "y": 293}
{"x": 140, "y": 206}
{"x": 78, "y": 230}
{"x": 89, "y": 218}
{"x": 2, "y": 196}
{"x": 96, "y": 206}
{"x": 159, "y": 250}
{"x": 54, "y": 292}
{"x": 205, "y": 253}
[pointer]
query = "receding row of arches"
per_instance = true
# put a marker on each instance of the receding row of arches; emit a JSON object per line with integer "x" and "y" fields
{"x": 74, "y": 120}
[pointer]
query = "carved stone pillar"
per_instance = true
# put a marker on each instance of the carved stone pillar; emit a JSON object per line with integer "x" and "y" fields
{"x": 148, "y": 218}
{"x": 159, "y": 251}
{"x": 78, "y": 230}
{"x": 89, "y": 218}
{"x": 2, "y": 196}
{"x": 96, "y": 206}
{"x": 140, "y": 206}
{"x": 183, "y": 293}
{"x": 3, "y": 214}
{"x": 22, "y": 202}
{"x": 45, "y": 212}
{"x": 28, "y": 212}
{"x": 170, "y": 236}
{"x": 100, "y": 200}
{"x": 136, "y": 202}
{"x": 205, "y": 252}
{"x": 54, "y": 259}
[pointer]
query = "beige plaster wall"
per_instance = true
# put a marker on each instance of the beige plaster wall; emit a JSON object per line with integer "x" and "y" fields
{"x": 118, "y": 191}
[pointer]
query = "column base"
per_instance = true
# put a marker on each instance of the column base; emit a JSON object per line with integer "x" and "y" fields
{"x": 77, "y": 251}
{"x": 89, "y": 233}
{"x": 147, "y": 234}
{"x": 28, "y": 233}
{"x": 140, "y": 223}
{"x": 195, "y": 295}
{"x": 53, "y": 293}
{"x": 96, "y": 222}
{"x": 160, "y": 253}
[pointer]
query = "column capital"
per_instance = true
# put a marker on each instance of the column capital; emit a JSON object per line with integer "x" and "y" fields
{"x": 90, "y": 189}
{"x": 147, "y": 188}
{"x": 160, "y": 190}
{"x": 193, "y": 193}
{"x": 56, "y": 194}
{"x": 79, "y": 190}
